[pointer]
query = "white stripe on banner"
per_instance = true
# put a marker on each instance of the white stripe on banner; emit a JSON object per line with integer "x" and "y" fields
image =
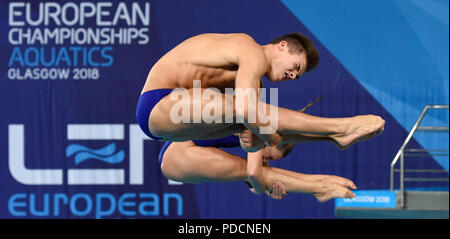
{"x": 95, "y": 132}
{"x": 137, "y": 138}
{"x": 95, "y": 176}
{"x": 16, "y": 161}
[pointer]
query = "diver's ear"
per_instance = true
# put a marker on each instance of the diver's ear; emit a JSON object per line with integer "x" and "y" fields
{"x": 282, "y": 45}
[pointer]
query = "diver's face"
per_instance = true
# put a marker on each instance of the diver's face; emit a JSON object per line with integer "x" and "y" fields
{"x": 286, "y": 65}
{"x": 271, "y": 153}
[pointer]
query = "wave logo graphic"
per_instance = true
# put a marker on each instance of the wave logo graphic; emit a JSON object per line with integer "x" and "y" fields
{"x": 105, "y": 154}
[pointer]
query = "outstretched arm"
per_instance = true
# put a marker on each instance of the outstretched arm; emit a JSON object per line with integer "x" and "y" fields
{"x": 252, "y": 66}
{"x": 255, "y": 172}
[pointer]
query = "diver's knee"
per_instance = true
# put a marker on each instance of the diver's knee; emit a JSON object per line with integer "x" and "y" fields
{"x": 157, "y": 127}
{"x": 172, "y": 170}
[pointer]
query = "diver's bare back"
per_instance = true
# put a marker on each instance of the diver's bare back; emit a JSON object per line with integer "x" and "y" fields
{"x": 211, "y": 58}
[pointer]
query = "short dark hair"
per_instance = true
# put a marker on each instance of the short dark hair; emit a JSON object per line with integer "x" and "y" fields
{"x": 286, "y": 148}
{"x": 300, "y": 43}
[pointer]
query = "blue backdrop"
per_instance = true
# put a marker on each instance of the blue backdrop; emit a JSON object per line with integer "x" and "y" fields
{"x": 71, "y": 75}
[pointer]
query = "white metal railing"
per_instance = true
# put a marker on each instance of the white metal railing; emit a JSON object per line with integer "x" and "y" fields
{"x": 403, "y": 152}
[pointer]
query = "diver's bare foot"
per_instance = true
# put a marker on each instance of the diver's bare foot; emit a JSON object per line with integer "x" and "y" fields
{"x": 337, "y": 180}
{"x": 334, "y": 191}
{"x": 359, "y": 128}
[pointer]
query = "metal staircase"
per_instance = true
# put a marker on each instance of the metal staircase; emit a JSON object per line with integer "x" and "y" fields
{"x": 404, "y": 203}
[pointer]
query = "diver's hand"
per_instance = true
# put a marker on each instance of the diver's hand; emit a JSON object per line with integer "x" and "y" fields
{"x": 250, "y": 142}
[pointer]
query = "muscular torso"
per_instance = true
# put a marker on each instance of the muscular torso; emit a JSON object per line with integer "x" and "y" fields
{"x": 211, "y": 58}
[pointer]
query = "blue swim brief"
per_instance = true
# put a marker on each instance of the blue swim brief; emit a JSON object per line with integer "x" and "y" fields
{"x": 163, "y": 151}
{"x": 146, "y": 103}
{"x": 227, "y": 142}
